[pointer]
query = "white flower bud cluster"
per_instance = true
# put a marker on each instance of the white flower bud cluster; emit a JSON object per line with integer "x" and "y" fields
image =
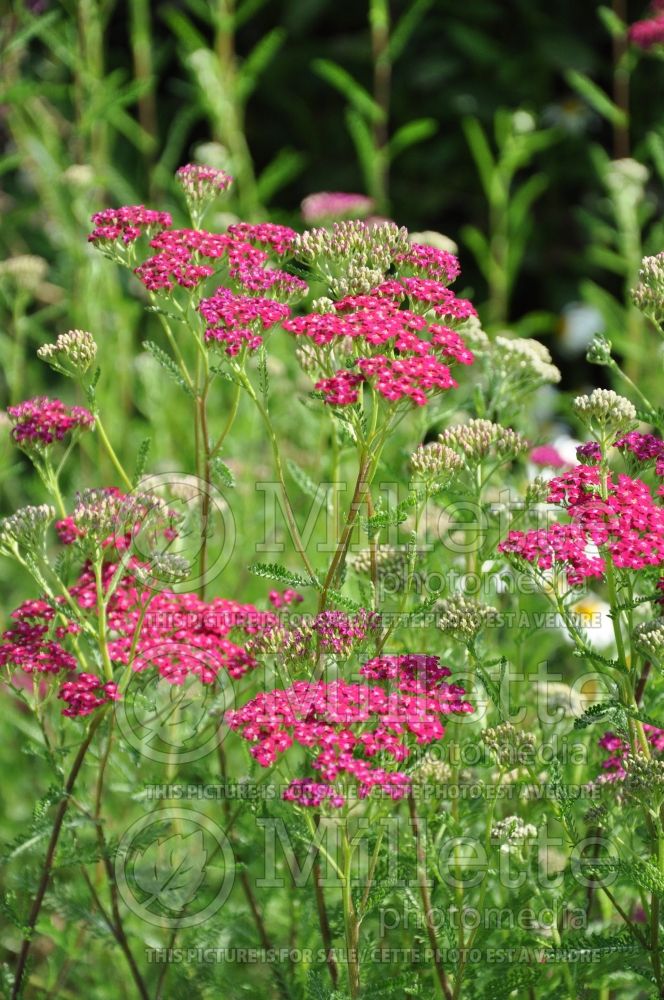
{"x": 463, "y": 618}
{"x": 99, "y": 514}
{"x": 512, "y": 833}
{"x": 644, "y": 776}
{"x": 648, "y": 295}
{"x": 365, "y": 251}
{"x": 389, "y": 560}
{"x": 477, "y": 438}
{"x": 509, "y": 745}
{"x": 649, "y": 637}
{"x": 164, "y": 567}
{"x": 527, "y": 359}
{"x": 27, "y": 271}
{"x": 26, "y": 528}
{"x": 605, "y": 412}
{"x": 599, "y": 352}
{"x": 71, "y": 354}
{"x": 431, "y": 770}
{"x": 430, "y": 461}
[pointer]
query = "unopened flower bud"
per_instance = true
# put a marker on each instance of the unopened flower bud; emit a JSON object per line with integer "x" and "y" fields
{"x": 72, "y": 353}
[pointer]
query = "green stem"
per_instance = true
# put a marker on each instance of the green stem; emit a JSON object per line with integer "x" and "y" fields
{"x": 50, "y": 855}
{"x": 110, "y": 451}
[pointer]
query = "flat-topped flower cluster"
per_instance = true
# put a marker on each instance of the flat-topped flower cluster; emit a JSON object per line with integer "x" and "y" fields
{"x": 357, "y": 732}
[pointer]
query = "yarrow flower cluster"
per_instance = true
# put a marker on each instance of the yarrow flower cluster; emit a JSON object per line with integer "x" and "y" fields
{"x": 26, "y": 528}
{"x": 649, "y": 293}
{"x": 509, "y": 745}
{"x": 33, "y": 644}
{"x": 523, "y": 362}
{"x": 434, "y": 460}
{"x": 72, "y": 353}
{"x": 477, "y": 439}
{"x": 239, "y": 320}
{"x": 615, "y": 765}
{"x": 645, "y": 448}
{"x": 86, "y": 692}
{"x": 512, "y": 834}
{"x": 604, "y": 412}
{"x": 397, "y": 351}
{"x": 41, "y": 421}
{"x": 347, "y": 726}
{"x": 202, "y": 184}
{"x": 177, "y": 635}
{"x": 627, "y": 522}
{"x": 463, "y": 618}
{"x": 333, "y": 632}
{"x": 126, "y": 224}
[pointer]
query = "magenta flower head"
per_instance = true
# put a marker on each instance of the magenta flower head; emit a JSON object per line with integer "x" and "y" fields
{"x": 86, "y": 692}
{"x": 648, "y": 33}
{"x": 126, "y": 224}
{"x": 40, "y": 422}
{"x": 356, "y": 733}
{"x": 201, "y": 183}
{"x": 331, "y": 205}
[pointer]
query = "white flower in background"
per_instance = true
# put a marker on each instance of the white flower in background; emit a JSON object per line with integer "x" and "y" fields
{"x": 431, "y": 238}
{"x": 578, "y": 325}
{"x": 592, "y": 615}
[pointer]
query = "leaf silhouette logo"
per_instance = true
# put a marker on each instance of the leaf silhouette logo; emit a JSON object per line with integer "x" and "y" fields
{"x": 172, "y": 870}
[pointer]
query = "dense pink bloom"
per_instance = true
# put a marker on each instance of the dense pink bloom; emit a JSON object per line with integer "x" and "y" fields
{"x": 355, "y": 730}
{"x": 180, "y": 635}
{"x": 644, "y": 448}
{"x": 547, "y": 455}
{"x": 589, "y": 453}
{"x": 629, "y": 524}
{"x": 32, "y": 644}
{"x": 397, "y": 350}
{"x": 266, "y": 234}
{"x": 236, "y": 320}
{"x": 645, "y": 34}
{"x": 431, "y": 293}
{"x": 310, "y": 793}
{"x": 341, "y": 389}
{"x": 41, "y": 421}
{"x": 126, "y": 223}
{"x": 335, "y": 205}
{"x": 270, "y": 281}
{"x": 85, "y": 692}
{"x": 430, "y": 262}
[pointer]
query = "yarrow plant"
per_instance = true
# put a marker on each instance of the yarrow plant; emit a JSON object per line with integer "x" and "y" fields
{"x": 361, "y": 721}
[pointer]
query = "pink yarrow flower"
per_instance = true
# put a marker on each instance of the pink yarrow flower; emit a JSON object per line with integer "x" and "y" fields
{"x": 357, "y": 733}
{"x": 335, "y": 205}
{"x": 41, "y": 421}
{"x": 126, "y": 223}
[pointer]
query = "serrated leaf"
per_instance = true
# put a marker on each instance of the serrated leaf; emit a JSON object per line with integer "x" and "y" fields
{"x": 275, "y": 571}
{"x": 221, "y": 473}
{"x": 166, "y": 362}
{"x": 141, "y": 459}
